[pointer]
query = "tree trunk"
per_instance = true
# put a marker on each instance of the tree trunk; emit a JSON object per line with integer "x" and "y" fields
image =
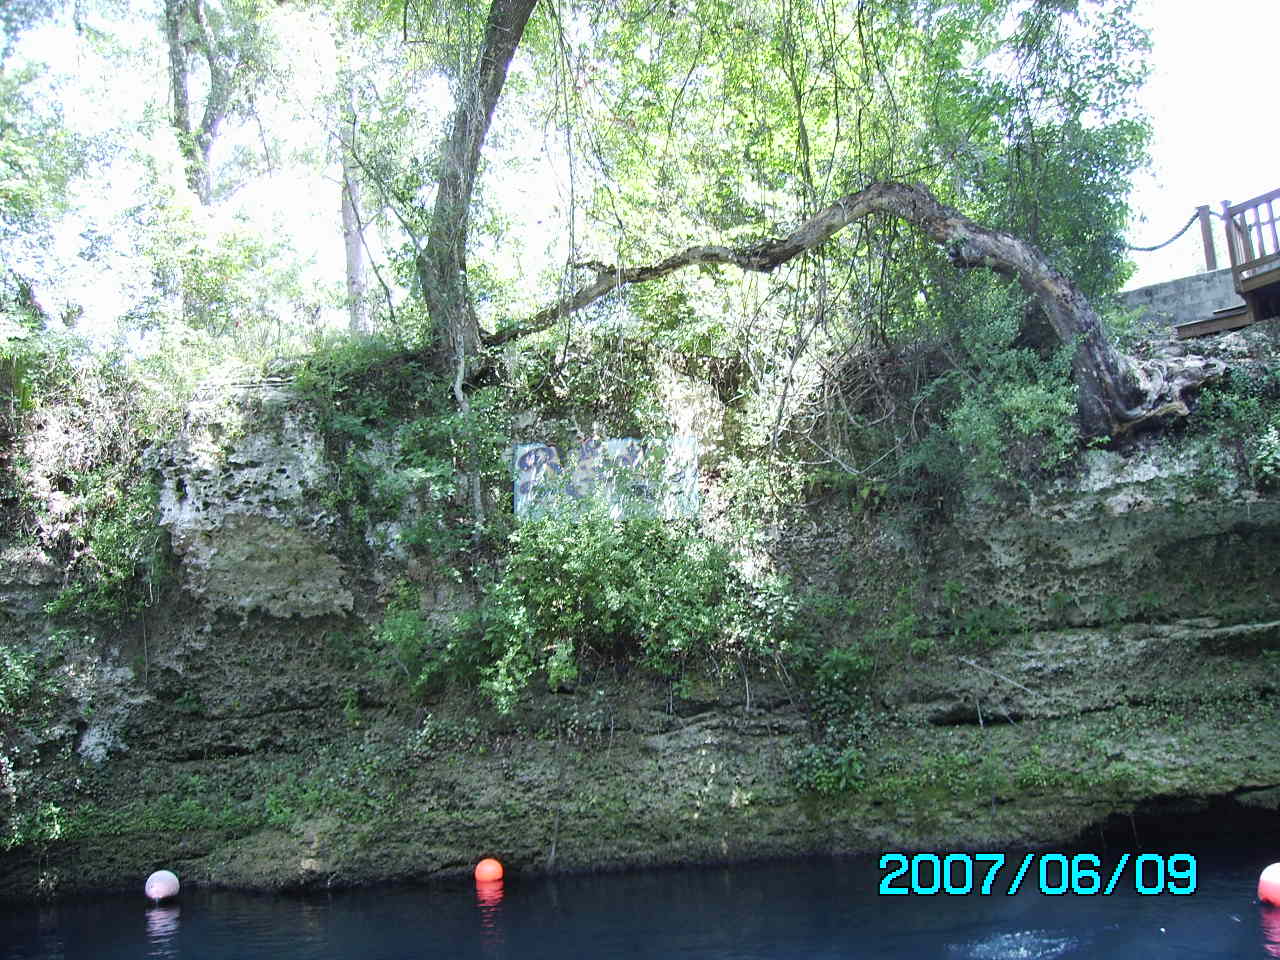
{"x": 181, "y": 117}
{"x": 352, "y": 223}
{"x": 442, "y": 265}
{"x": 353, "y": 242}
{"x": 1116, "y": 393}
{"x": 196, "y": 144}
{"x": 216, "y": 102}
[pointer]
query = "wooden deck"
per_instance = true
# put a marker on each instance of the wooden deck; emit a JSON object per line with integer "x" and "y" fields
{"x": 1253, "y": 243}
{"x": 1229, "y": 318}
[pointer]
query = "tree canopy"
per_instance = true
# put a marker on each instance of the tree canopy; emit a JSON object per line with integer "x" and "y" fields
{"x": 537, "y": 176}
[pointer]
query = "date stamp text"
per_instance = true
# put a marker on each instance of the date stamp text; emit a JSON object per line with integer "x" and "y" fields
{"x": 1055, "y": 874}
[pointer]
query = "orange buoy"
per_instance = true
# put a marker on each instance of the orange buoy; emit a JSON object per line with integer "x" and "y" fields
{"x": 488, "y": 870}
{"x": 1269, "y": 885}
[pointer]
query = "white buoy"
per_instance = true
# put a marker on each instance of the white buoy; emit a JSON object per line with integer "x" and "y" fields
{"x": 161, "y": 885}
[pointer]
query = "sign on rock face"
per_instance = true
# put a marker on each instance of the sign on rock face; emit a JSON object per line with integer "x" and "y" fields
{"x": 632, "y": 477}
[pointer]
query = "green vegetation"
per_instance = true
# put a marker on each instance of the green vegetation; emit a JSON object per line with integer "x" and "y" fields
{"x": 28, "y": 692}
{"x": 584, "y": 588}
{"x": 863, "y": 388}
{"x": 577, "y": 588}
{"x": 18, "y": 680}
{"x": 75, "y": 480}
{"x": 827, "y": 770}
{"x": 1241, "y": 416}
{"x": 171, "y": 813}
{"x": 124, "y": 560}
{"x": 399, "y": 444}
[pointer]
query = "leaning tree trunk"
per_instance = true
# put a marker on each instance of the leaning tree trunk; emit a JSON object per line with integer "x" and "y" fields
{"x": 1116, "y": 393}
{"x": 442, "y": 265}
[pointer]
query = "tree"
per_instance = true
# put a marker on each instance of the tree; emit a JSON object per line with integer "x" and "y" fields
{"x": 442, "y": 264}
{"x": 1115, "y": 392}
{"x": 39, "y": 158}
{"x": 17, "y": 16}
{"x": 230, "y": 44}
{"x": 353, "y": 238}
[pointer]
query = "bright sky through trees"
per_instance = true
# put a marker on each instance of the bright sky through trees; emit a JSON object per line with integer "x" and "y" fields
{"x": 300, "y": 199}
{"x": 1208, "y": 145}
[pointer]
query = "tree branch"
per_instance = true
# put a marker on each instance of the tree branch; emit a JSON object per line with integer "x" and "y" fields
{"x": 1116, "y": 393}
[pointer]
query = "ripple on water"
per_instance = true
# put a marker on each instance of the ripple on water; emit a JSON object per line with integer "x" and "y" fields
{"x": 1021, "y": 945}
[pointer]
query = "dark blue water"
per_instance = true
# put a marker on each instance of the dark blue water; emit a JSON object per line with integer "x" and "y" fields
{"x": 825, "y": 909}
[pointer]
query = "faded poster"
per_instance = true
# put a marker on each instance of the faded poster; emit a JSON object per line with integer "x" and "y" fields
{"x": 629, "y": 475}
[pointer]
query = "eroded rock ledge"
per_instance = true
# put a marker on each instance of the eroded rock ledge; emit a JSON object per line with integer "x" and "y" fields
{"x": 244, "y": 494}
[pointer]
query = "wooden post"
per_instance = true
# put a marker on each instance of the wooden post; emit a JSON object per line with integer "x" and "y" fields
{"x": 1229, "y": 227}
{"x": 1206, "y": 235}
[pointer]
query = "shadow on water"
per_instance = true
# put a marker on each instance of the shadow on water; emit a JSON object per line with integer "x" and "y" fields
{"x": 1217, "y": 825}
{"x": 489, "y": 902}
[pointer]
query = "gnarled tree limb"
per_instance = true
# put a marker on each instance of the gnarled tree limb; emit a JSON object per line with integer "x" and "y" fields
{"x": 1116, "y": 393}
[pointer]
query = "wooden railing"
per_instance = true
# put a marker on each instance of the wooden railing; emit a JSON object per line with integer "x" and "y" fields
{"x": 1253, "y": 241}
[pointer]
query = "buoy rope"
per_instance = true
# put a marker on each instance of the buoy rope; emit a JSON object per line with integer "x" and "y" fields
{"x": 1185, "y": 228}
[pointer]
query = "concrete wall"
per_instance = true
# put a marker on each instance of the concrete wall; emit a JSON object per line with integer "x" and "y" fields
{"x": 1183, "y": 300}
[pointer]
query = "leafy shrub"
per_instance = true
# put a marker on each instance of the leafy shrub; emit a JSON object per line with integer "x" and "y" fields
{"x": 123, "y": 553}
{"x": 425, "y": 653}
{"x": 1019, "y": 417}
{"x": 19, "y": 359}
{"x": 825, "y": 769}
{"x": 840, "y": 675}
{"x": 1231, "y": 406}
{"x": 37, "y": 826}
{"x": 1265, "y": 461}
{"x": 599, "y": 377}
{"x": 28, "y": 687}
{"x": 401, "y": 445}
{"x": 587, "y": 586}
{"x": 1241, "y": 414}
{"x": 76, "y": 480}
{"x": 998, "y": 413}
{"x": 18, "y": 676}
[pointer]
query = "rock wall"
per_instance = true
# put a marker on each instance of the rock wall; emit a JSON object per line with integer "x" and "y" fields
{"x": 243, "y": 493}
{"x": 1143, "y": 534}
{"x": 237, "y": 737}
{"x": 1184, "y": 300}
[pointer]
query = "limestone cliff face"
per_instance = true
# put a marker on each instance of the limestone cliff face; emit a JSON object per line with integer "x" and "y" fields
{"x": 243, "y": 494}
{"x": 1144, "y": 530}
{"x": 236, "y": 735}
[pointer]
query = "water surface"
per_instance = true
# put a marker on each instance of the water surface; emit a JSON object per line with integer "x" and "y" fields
{"x": 820, "y": 909}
